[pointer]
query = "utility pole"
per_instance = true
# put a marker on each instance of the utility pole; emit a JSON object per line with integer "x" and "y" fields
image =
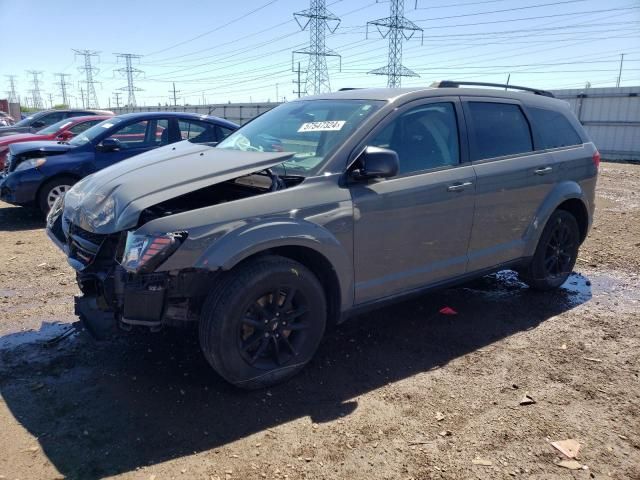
{"x": 398, "y": 28}
{"x": 35, "y": 93}
{"x": 11, "y": 93}
{"x": 89, "y": 71}
{"x": 620, "y": 72}
{"x": 117, "y": 95}
{"x": 204, "y": 100}
{"x": 51, "y": 99}
{"x": 298, "y": 90}
{"x": 130, "y": 72}
{"x": 318, "y": 20}
{"x": 63, "y": 84}
{"x": 82, "y": 96}
{"x": 175, "y": 92}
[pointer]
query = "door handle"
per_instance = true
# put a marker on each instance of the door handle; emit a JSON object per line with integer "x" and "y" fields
{"x": 458, "y": 187}
{"x": 542, "y": 171}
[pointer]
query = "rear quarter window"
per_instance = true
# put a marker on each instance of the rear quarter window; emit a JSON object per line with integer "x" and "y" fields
{"x": 498, "y": 129}
{"x": 555, "y": 129}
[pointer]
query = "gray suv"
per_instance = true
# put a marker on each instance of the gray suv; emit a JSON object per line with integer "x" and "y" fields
{"x": 324, "y": 207}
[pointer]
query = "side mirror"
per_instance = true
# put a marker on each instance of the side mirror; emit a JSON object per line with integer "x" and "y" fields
{"x": 377, "y": 162}
{"x": 110, "y": 145}
{"x": 37, "y": 124}
{"x": 66, "y": 135}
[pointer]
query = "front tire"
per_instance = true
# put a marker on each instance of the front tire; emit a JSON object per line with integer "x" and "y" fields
{"x": 264, "y": 322}
{"x": 556, "y": 253}
{"x": 52, "y": 190}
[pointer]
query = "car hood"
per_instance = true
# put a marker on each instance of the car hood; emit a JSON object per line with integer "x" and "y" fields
{"x": 112, "y": 199}
{"x": 46, "y": 147}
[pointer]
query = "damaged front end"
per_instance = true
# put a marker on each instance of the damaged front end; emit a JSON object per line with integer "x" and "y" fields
{"x": 120, "y": 289}
{"x": 98, "y": 225}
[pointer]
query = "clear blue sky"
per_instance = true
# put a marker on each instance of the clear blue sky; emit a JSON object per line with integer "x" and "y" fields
{"x": 222, "y": 52}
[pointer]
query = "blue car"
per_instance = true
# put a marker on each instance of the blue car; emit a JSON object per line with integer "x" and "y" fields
{"x": 37, "y": 173}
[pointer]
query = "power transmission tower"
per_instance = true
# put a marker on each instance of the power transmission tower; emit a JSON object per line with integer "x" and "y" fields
{"x": 82, "y": 96}
{"x": 298, "y": 83}
{"x": 35, "y": 93}
{"x": 13, "y": 97}
{"x": 89, "y": 71}
{"x": 130, "y": 73}
{"x": 117, "y": 95}
{"x": 174, "y": 92}
{"x": 397, "y": 28}
{"x": 63, "y": 84}
{"x": 51, "y": 99}
{"x": 318, "y": 19}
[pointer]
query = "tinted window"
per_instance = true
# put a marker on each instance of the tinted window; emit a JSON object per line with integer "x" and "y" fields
{"x": 498, "y": 129}
{"x": 223, "y": 132}
{"x": 555, "y": 129}
{"x": 81, "y": 127}
{"x": 197, "y": 132}
{"x": 51, "y": 118}
{"x": 424, "y": 137}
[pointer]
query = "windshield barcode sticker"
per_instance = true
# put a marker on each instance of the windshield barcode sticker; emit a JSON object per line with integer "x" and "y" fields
{"x": 329, "y": 126}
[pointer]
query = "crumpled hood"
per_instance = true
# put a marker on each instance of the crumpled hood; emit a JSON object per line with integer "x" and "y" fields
{"x": 44, "y": 146}
{"x": 130, "y": 186}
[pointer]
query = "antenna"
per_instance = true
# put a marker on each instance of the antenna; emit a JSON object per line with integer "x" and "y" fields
{"x": 318, "y": 20}
{"x": 130, "y": 72}
{"x": 398, "y": 28}
{"x": 89, "y": 71}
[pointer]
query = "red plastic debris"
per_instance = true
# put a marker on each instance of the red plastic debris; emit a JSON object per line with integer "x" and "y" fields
{"x": 448, "y": 311}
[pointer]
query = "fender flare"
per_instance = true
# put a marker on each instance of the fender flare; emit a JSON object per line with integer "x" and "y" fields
{"x": 239, "y": 244}
{"x": 562, "y": 192}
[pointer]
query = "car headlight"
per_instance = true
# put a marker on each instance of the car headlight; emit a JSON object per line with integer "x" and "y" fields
{"x": 143, "y": 253}
{"x": 100, "y": 213}
{"x": 31, "y": 163}
{"x": 55, "y": 211}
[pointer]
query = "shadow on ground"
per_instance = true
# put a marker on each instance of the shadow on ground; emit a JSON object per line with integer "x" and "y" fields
{"x": 102, "y": 409}
{"x": 20, "y": 218}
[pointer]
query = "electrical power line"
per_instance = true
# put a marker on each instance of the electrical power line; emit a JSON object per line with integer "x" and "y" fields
{"x": 318, "y": 20}
{"x": 36, "y": 96}
{"x": 397, "y": 28}
{"x": 130, "y": 73}
{"x": 13, "y": 97}
{"x": 63, "y": 84}
{"x": 90, "y": 98}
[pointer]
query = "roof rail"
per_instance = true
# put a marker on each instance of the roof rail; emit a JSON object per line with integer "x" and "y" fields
{"x": 457, "y": 84}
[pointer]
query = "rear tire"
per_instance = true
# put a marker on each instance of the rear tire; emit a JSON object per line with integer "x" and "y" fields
{"x": 53, "y": 189}
{"x": 264, "y": 322}
{"x": 556, "y": 253}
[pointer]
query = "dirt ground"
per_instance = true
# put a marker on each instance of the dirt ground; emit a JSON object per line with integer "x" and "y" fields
{"x": 401, "y": 393}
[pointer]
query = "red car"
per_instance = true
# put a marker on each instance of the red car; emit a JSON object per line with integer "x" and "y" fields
{"x": 61, "y": 131}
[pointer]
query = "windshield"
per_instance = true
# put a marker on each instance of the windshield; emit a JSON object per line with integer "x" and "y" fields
{"x": 92, "y": 133}
{"x": 310, "y": 129}
{"x": 51, "y": 129}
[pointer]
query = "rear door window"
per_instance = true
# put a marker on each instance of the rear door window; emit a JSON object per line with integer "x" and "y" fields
{"x": 197, "y": 132}
{"x": 498, "y": 129}
{"x": 555, "y": 129}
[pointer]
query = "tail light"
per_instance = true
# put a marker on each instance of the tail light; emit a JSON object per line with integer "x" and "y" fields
{"x": 596, "y": 159}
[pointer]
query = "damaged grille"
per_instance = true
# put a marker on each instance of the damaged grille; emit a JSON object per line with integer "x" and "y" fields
{"x": 94, "y": 238}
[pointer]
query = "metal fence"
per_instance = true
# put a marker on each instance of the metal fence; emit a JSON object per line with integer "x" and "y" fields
{"x": 611, "y": 116}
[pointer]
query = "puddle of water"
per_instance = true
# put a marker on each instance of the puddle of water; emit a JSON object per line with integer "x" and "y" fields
{"x": 48, "y": 331}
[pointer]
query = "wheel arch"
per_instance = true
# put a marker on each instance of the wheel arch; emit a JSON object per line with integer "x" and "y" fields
{"x": 55, "y": 177}
{"x": 567, "y": 196}
{"x": 309, "y": 244}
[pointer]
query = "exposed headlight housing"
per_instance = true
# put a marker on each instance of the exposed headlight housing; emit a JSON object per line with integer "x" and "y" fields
{"x": 55, "y": 211}
{"x": 31, "y": 163}
{"x": 100, "y": 213}
{"x": 143, "y": 253}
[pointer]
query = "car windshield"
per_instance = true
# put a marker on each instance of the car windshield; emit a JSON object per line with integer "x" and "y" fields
{"x": 91, "y": 133}
{"x": 311, "y": 129}
{"x": 51, "y": 129}
{"x": 25, "y": 122}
